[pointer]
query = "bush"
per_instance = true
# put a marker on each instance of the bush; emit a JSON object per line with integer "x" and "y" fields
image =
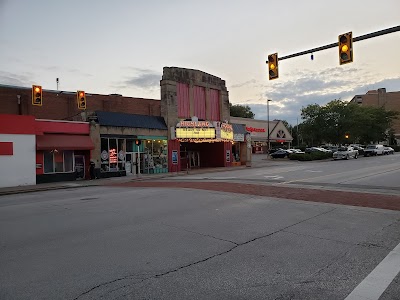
{"x": 310, "y": 156}
{"x": 396, "y": 148}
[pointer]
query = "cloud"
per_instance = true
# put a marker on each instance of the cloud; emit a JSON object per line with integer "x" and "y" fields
{"x": 288, "y": 97}
{"x": 144, "y": 79}
{"x": 15, "y": 79}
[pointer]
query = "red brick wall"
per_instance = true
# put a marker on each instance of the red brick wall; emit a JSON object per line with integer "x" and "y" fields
{"x": 63, "y": 105}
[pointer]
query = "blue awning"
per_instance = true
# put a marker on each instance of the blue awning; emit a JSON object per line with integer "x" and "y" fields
{"x": 106, "y": 118}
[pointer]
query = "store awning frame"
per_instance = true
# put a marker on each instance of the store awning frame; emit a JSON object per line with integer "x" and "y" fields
{"x": 64, "y": 142}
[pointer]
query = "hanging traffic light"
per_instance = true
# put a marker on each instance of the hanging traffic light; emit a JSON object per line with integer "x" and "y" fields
{"x": 37, "y": 95}
{"x": 346, "y": 48}
{"x": 273, "y": 66}
{"x": 81, "y": 99}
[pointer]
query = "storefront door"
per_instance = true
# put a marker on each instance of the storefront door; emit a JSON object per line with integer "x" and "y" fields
{"x": 130, "y": 164}
{"x": 80, "y": 166}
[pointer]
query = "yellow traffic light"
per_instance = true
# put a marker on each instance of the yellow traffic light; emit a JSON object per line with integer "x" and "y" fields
{"x": 346, "y": 136}
{"x": 81, "y": 99}
{"x": 37, "y": 95}
{"x": 273, "y": 66}
{"x": 346, "y": 48}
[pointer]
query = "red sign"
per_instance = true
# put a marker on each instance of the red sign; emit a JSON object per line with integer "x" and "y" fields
{"x": 113, "y": 156}
{"x": 252, "y": 129}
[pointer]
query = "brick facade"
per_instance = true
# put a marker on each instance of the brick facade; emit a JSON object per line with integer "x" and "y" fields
{"x": 62, "y": 105}
{"x": 380, "y": 98}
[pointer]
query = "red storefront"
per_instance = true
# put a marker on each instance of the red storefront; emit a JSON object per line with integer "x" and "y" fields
{"x": 62, "y": 150}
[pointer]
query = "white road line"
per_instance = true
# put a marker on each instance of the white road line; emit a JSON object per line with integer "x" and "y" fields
{"x": 373, "y": 286}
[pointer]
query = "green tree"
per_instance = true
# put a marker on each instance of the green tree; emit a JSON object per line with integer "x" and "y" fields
{"x": 242, "y": 111}
{"x": 332, "y": 122}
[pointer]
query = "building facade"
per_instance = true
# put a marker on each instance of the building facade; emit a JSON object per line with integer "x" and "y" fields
{"x": 279, "y": 136}
{"x": 381, "y": 98}
{"x": 195, "y": 107}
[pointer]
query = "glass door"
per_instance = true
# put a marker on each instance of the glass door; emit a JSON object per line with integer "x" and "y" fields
{"x": 79, "y": 166}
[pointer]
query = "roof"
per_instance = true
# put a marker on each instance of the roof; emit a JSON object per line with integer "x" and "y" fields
{"x": 106, "y": 118}
{"x": 239, "y": 128}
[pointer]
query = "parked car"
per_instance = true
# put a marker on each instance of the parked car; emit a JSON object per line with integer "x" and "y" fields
{"x": 317, "y": 149}
{"x": 345, "y": 152}
{"x": 359, "y": 149}
{"x": 373, "y": 150}
{"x": 280, "y": 154}
{"x": 388, "y": 150}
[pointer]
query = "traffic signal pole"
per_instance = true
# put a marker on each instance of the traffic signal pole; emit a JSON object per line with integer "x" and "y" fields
{"x": 333, "y": 45}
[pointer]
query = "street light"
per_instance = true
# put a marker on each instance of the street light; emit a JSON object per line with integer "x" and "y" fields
{"x": 268, "y": 126}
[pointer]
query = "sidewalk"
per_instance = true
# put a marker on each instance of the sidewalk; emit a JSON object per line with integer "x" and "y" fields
{"x": 258, "y": 161}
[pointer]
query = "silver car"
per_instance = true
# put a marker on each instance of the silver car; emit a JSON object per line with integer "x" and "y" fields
{"x": 345, "y": 152}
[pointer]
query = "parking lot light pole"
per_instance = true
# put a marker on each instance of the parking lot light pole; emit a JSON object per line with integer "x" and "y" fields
{"x": 268, "y": 146}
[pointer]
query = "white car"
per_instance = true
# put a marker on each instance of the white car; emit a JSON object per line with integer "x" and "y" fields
{"x": 388, "y": 150}
{"x": 345, "y": 152}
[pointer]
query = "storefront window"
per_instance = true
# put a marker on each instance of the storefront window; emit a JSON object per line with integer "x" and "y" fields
{"x": 68, "y": 161}
{"x": 121, "y": 154}
{"x": 113, "y": 154}
{"x": 58, "y": 161}
{"x": 155, "y": 158}
{"x": 48, "y": 162}
{"x": 104, "y": 155}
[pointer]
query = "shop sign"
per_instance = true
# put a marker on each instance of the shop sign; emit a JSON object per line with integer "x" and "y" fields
{"x": 195, "y": 133}
{"x": 121, "y": 155}
{"x": 194, "y": 124}
{"x": 113, "y": 156}
{"x": 175, "y": 157}
{"x": 104, "y": 155}
{"x": 253, "y": 129}
{"x": 238, "y": 137}
{"x": 226, "y": 131}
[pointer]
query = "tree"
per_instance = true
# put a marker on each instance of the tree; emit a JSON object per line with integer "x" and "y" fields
{"x": 337, "y": 119}
{"x": 242, "y": 111}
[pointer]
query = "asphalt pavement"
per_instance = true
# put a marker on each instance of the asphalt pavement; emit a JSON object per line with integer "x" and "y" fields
{"x": 258, "y": 160}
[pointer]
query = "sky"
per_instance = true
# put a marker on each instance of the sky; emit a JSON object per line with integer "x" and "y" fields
{"x": 121, "y": 46}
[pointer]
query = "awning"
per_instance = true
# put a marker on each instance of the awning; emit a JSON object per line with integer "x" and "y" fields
{"x": 63, "y": 142}
{"x": 239, "y": 128}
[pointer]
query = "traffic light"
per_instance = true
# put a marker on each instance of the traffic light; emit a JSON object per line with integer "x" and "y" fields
{"x": 273, "y": 66}
{"x": 345, "y": 48}
{"x": 81, "y": 98}
{"x": 37, "y": 95}
{"x": 346, "y": 136}
{"x": 138, "y": 142}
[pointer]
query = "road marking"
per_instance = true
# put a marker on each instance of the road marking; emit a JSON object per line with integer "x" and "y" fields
{"x": 312, "y": 171}
{"x": 274, "y": 177}
{"x": 373, "y": 286}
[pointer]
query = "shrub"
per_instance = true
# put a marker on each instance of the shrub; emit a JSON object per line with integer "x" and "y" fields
{"x": 310, "y": 156}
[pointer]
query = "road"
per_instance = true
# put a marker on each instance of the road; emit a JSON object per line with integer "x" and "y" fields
{"x": 123, "y": 241}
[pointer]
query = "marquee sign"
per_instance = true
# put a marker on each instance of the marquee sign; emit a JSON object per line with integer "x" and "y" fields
{"x": 226, "y": 131}
{"x": 195, "y": 133}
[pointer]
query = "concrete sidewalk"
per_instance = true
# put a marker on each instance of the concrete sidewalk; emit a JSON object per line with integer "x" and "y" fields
{"x": 258, "y": 161}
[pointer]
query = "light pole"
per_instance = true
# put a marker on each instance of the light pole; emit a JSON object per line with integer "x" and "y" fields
{"x": 268, "y": 126}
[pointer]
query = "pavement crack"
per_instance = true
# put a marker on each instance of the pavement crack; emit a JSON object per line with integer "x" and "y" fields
{"x": 198, "y": 233}
{"x": 236, "y": 245}
{"x": 284, "y": 228}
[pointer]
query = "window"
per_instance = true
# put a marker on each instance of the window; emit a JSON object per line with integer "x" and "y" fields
{"x": 58, "y": 161}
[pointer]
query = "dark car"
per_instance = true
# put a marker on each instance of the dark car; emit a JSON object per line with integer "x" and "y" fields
{"x": 280, "y": 154}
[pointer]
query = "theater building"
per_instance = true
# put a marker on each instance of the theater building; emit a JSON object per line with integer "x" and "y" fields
{"x": 195, "y": 107}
